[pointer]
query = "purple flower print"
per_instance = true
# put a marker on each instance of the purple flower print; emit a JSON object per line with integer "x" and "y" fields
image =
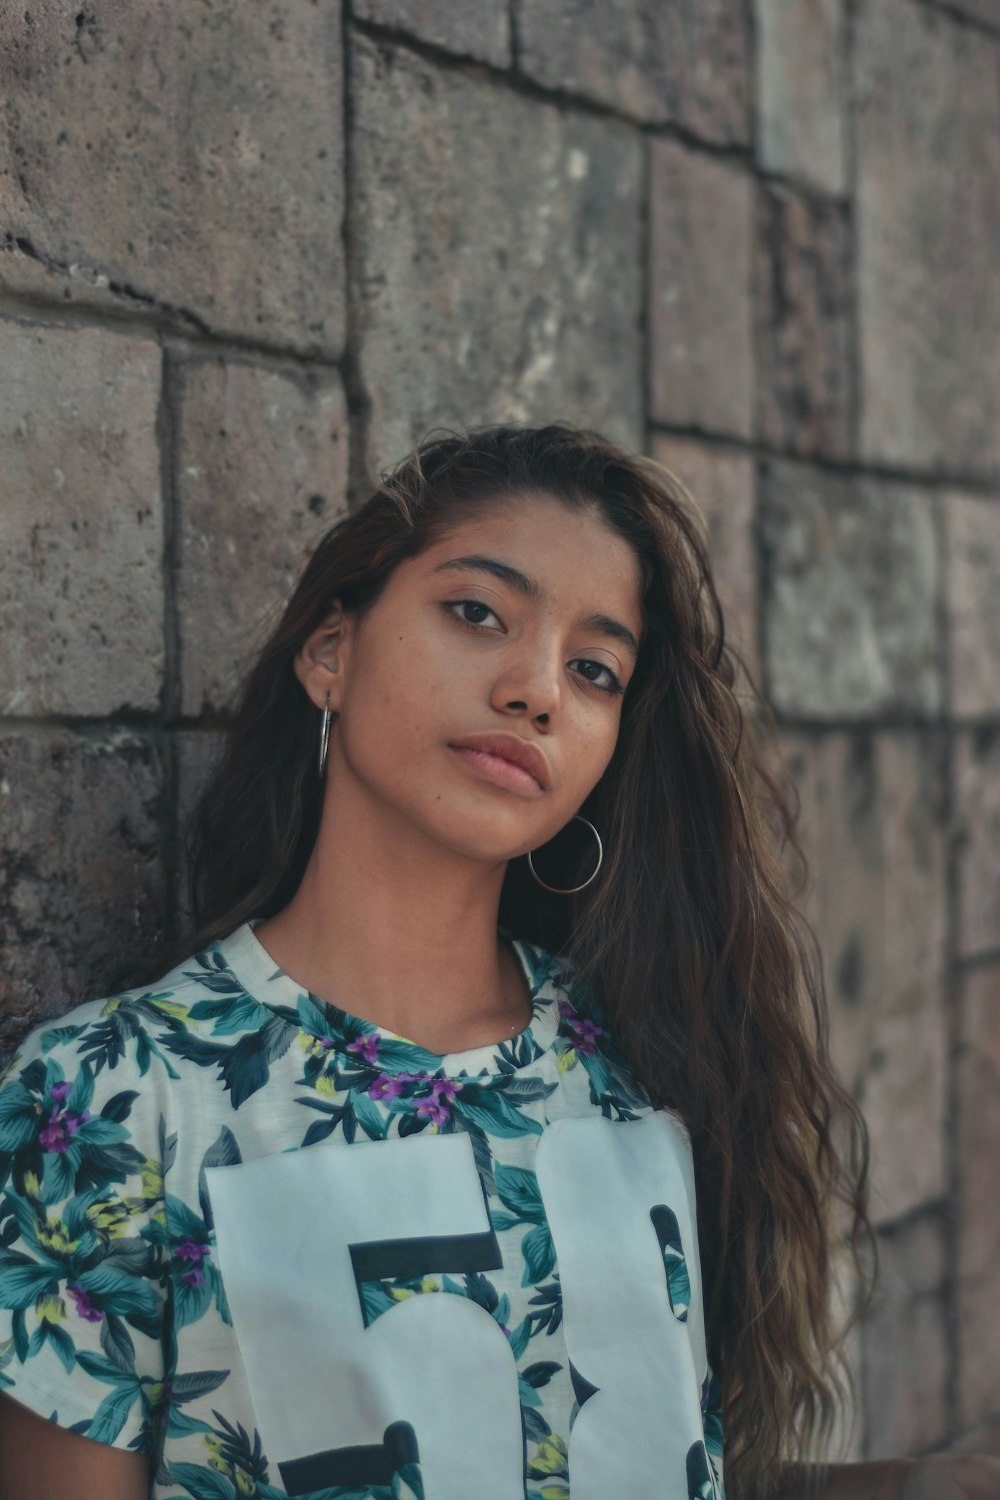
{"x": 565, "y": 1009}
{"x": 62, "y": 1126}
{"x": 586, "y": 1033}
{"x": 367, "y": 1045}
{"x": 190, "y": 1250}
{"x": 59, "y": 1090}
{"x": 84, "y": 1306}
{"x": 385, "y": 1087}
{"x": 430, "y": 1109}
{"x": 445, "y": 1087}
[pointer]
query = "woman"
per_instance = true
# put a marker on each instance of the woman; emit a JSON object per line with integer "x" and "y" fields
{"x": 386, "y": 1186}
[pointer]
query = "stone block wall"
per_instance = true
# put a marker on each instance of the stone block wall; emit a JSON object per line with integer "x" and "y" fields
{"x": 248, "y": 253}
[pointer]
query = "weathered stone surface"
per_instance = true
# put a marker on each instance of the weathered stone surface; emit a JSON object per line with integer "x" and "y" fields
{"x": 802, "y": 316}
{"x": 850, "y": 594}
{"x": 686, "y": 63}
{"x": 873, "y": 829}
{"x": 972, "y": 528}
{"x": 721, "y": 483}
{"x": 977, "y": 808}
{"x": 480, "y": 30}
{"x": 905, "y": 1344}
{"x": 501, "y": 276}
{"x": 927, "y": 124}
{"x": 197, "y": 752}
{"x": 986, "y": 11}
{"x": 186, "y": 159}
{"x": 701, "y": 334}
{"x": 81, "y": 882}
{"x": 261, "y": 474}
{"x": 81, "y": 524}
{"x": 979, "y": 1203}
{"x": 800, "y": 91}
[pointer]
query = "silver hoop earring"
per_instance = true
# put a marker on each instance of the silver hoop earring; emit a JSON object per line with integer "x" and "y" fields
{"x": 569, "y": 890}
{"x": 324, "y": 735}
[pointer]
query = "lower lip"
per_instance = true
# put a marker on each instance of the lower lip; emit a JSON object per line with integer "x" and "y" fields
{"x": 495, "y": 768}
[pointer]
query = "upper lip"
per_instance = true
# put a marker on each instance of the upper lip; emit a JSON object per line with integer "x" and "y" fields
{"x": 509, "y": 747}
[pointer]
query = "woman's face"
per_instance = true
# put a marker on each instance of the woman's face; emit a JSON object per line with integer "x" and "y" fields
{"x": 520, "y": 623}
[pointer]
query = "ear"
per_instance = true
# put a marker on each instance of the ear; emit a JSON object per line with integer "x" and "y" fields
{"x": 321, "y": 660}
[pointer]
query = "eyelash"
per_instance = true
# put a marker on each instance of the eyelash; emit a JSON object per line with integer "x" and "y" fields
{"x": 454, "y": 605}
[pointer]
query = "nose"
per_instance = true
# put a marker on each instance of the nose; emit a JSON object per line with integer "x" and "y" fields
{"x": 528, "y": 683}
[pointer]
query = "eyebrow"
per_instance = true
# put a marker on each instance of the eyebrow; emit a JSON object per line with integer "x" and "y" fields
{"x": 522, "y": 584}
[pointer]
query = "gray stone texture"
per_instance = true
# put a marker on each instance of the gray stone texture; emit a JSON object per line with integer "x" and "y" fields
{"x": 473, "y": 28}
{"x": 184, "y": 158}
{"x": 81, "y": 880}
{"x": 986, "y": 11}
{"x": 978, "y": 1267}
{"x": 976, "y": 764}
{"x": 802, "y": 324}
{"x": 905, "y": 1344}
{"x": 261, "y": 474}
{"x": 874, "y": 835}
{"x": 850, "y": 594}
{"x": 81, "y": 523}
{"x": 701, "y": 316}
{"x": 501, "y": 274}
{"x": 972, "y": 548}
{"x": 801, "y": 123}
{"x": 722, "y": 485}
{"x": 927, "y": 127}
{"x": 686, "y": 63}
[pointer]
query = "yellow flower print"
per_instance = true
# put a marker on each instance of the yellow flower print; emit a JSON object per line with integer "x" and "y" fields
{"x": 55, "y": 1236}
{"x": 550, "y": 1456}
{"x": 218, "y": 1463}
{"x": 152, "y": 1179}
{"x": 567, "y": 1060}
{"x": 311, "y": 1045}
{"x": 244, "y": 1483}
{"x": 112, "y": 1216}
{"x": 112, "y": 1004}
{"x": 212, "y": 1442}
{"x": 326, "y": 1085}
{"x": 32, "y": 1186}
{"x": 50, "y": 1309}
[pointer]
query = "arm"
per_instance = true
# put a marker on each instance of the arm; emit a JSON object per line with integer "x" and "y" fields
{"x": 39, "y": 1460}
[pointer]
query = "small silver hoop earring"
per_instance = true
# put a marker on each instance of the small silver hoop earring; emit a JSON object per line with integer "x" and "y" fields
{"x": 569, "y": 890}
{"x": 324, "y": 735}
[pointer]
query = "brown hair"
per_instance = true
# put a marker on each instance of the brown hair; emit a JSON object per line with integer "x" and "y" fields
{"x": 711, "y": 978}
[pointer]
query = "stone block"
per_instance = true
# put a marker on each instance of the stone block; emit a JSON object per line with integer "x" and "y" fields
{"x": 81, "y": 526}
{"x": 701, "y": 321}
{"x": 977, "y": 834}
{"x": 184, "y": 160}
{"x": 721, "y": 483}
{"x": 906, "y": 1345}
{"x": 802, "y": 324}
{"x": 978, "y": 1283}
{"x": 800, "y": 91}
{"x": 972, "y": 530}
{"x": 927, "y": 128}
{"x": 687, "y": 63}
{"x": 850, "y": 594}
{"x": 261, "y": 474}
{"x": 872, "y": 823}
{"x": 501, "y": 268}
{"x": 81, "y": 882}
{"x": 480, "y": 30}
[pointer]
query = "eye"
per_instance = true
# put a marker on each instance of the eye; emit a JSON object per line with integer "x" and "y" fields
{"x": 612, "y": 685}
{"x": 454, "y": 605}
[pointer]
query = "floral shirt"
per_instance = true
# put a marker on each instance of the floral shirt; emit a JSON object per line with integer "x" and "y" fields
{"x": 286, "y": 1252}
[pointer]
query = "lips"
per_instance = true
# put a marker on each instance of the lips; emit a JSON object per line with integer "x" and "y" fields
{"x": 509, "y": 747}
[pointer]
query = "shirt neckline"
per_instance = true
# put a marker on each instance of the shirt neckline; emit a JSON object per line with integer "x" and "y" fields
{"x": 367, "y": 1046}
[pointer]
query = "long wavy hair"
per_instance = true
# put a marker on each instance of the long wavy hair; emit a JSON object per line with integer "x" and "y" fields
{"x": 711, "y": 978}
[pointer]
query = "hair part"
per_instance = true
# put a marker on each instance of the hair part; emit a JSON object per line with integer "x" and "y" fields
{"x": 710, "y": 977}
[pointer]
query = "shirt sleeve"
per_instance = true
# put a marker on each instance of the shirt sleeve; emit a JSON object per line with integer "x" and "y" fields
{"x": 84, "y": 1115}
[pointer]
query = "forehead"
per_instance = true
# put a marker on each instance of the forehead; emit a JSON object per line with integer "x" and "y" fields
{"x": 570, "y": 553}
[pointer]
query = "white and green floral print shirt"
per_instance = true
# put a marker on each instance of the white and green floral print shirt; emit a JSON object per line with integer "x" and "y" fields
{"x": 286, "y": 1252}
